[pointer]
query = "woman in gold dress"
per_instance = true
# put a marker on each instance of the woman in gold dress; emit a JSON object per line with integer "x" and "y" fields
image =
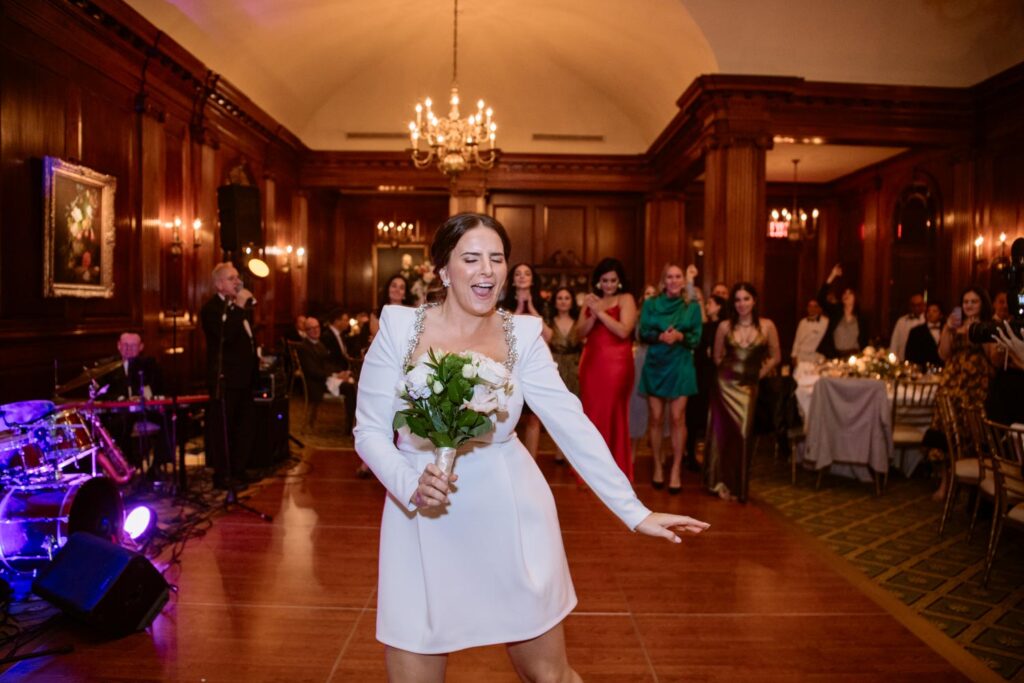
{"x": 968, "y": 368}
{"x": 746, "y": 349}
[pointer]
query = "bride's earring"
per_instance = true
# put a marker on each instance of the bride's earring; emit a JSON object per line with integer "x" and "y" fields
{"x": 445, "y": 281}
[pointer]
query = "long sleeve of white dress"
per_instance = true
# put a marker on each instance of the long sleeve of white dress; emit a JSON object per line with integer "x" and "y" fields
{"x": 562, "y": 415}
{"x": 376, "y": 407}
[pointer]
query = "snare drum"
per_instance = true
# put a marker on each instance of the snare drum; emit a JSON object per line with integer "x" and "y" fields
{"x": 36, "y": 520}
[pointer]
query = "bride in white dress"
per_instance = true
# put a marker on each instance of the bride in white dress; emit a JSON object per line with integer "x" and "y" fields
{"x": 477, "y": 559}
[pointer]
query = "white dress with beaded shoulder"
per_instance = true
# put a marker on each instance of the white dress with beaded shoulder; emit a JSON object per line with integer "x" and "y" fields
{"x": 490, "y": 567}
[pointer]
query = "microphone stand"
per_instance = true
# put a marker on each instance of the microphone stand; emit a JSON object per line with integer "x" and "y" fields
{"x": 231, "y": 498}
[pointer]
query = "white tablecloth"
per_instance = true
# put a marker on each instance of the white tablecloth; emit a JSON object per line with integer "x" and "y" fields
{"x": 851, "y": 424}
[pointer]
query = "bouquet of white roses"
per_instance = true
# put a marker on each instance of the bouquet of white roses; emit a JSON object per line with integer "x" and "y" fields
{"x": 452, "y": 398}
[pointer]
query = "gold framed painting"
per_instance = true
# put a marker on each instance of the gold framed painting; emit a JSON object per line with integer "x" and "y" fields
{"x": 78, "y": 230}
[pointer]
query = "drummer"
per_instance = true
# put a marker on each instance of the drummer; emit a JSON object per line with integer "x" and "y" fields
{"x": 137, "y": 376}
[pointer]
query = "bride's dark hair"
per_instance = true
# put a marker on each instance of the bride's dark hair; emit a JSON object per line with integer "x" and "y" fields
{"x": 452, "y": 230}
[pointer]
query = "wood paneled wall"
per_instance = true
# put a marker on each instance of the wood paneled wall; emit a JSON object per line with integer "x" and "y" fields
{"x": 93, "y": 82}
{"x": 88, "y": 90}
{"x": 580, "y": 228}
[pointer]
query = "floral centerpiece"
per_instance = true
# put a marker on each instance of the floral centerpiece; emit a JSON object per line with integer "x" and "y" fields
{"x": 452, "y": 398}
{"x": 874, "y": 364}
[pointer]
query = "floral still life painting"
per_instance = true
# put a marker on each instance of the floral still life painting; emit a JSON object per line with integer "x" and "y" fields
{"x": 78, "y": 230}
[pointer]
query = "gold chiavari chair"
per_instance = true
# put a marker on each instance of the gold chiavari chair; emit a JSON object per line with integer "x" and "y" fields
{"x": 1006, "y": 445}
{"x": 964, "y": 465}
{"x": 913, "y": 405}
{"x": 979, "y": 444}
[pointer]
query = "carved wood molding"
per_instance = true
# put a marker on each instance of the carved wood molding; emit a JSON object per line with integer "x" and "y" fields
{"x": 624, "y": 173}
{"x": 184, "y": 78}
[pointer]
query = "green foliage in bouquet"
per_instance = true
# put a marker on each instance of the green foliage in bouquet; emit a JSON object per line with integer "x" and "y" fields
{"x": 438, "y": 402}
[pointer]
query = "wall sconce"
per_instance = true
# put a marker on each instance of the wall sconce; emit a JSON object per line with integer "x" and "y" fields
{"x": 175, "y": 228}
{"x": 979, "y": 242}
{"x": 292, "y": 255}
{"x": 197, "y": 233}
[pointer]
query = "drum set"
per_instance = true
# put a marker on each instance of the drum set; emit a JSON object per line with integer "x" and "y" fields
{"x": 51, "y": 462}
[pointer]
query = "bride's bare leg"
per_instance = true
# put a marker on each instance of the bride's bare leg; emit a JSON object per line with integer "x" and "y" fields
{"x": 543, "y": 659}
{"x": 409, "y": 667}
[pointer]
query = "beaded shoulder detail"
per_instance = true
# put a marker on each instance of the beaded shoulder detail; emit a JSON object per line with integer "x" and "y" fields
{"x": 507, "y": 325}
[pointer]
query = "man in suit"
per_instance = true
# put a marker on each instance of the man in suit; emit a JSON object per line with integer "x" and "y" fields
{"x": 231, "y": 367}
{"x": 809, "y": 334}
{"x": 923, "y": 340}
{"x": 901, "y": 331}
{"x": 317, "y": 367}
{"x": 333, "y": 338}
{"x": 136, "y": 376}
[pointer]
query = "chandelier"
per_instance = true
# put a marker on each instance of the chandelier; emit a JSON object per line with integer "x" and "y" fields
{"x": 394, "y": 233}
{"x": 453, "y": 143}
{"x": 796, "y": 224}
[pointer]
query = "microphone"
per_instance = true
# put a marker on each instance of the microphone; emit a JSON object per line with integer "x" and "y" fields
{"x": 251, "y": 302}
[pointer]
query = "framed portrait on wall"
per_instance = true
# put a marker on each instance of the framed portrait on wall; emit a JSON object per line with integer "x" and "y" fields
{"x": 406, "y": 260}
{"x": 78, "y": 230}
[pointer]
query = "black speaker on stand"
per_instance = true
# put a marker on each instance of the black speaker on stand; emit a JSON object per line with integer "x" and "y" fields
{"x": 103, "y": 585}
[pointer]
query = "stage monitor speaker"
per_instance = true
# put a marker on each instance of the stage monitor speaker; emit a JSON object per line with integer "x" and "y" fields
{"x": 270, "y": 438}
{"x": 239, "y": 209}
{"x": 103, "y": 585}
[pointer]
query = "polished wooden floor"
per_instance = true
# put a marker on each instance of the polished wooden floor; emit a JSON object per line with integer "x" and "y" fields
{"x": 750, "y": 600}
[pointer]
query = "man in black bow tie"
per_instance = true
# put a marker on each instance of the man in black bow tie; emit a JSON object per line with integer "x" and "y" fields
{"x": 809, "y": 332}
{"x": 137, "y": 376}
{"x": 231, "y": 368}
{"x": 905, "y": 323}
{"x": 923, "y": 340}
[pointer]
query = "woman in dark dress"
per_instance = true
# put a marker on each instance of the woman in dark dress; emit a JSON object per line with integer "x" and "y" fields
{"x": 746, "y": 350}
{"x": 697, "y": 406}
{"x": 522, "y": 297}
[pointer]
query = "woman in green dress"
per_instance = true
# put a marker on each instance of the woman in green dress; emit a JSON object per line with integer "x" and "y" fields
{"x": 746, "y": 350}
{"x": 671, "y": 324}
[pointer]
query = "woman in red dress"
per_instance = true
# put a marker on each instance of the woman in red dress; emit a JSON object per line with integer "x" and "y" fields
{"x": 606, "y": 366}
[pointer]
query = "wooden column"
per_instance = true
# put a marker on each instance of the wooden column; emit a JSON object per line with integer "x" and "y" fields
{"x": 664, "y": 234}
{"x": 735, "y": 222}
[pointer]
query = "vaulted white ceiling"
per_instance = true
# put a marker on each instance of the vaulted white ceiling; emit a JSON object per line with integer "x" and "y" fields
{"x": 328, "y": 69}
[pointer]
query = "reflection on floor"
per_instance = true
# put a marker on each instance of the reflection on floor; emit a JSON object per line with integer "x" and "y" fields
{"x": 294, "y": 600}
{"x": 894, "y": 540}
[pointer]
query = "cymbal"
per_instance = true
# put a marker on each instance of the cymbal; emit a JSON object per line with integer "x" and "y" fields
{"x": 87, "y": 376}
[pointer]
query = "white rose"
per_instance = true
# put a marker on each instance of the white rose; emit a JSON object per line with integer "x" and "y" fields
{"x": 418, "y": 378}
{"x": 483, "y": 401}
{"x": 489, "y": 371}
{"x": 501, "y": 396}
{"x": 438, "y": 387}
{"x": 76, "y": 214}
{"x": 468, "y": 371}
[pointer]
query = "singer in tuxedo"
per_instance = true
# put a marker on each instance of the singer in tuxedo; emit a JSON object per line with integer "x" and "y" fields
{"x": 231, "y": 367}
{"x": 923, "y": 340}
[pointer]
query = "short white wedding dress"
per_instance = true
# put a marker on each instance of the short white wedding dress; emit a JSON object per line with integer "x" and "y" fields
{"x": 490, "y": 567}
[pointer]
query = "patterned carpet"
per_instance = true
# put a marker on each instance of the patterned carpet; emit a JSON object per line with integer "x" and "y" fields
{"x": 894, "y": 540}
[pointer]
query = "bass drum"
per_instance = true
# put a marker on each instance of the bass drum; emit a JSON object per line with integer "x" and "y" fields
{"x": 36, "y": 520}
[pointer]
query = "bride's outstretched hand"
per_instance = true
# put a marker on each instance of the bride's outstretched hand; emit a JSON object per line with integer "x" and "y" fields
{"x": 660, "y": 525}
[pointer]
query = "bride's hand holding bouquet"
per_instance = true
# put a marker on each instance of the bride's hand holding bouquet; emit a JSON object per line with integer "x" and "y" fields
{"x": 451, "y": 398}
